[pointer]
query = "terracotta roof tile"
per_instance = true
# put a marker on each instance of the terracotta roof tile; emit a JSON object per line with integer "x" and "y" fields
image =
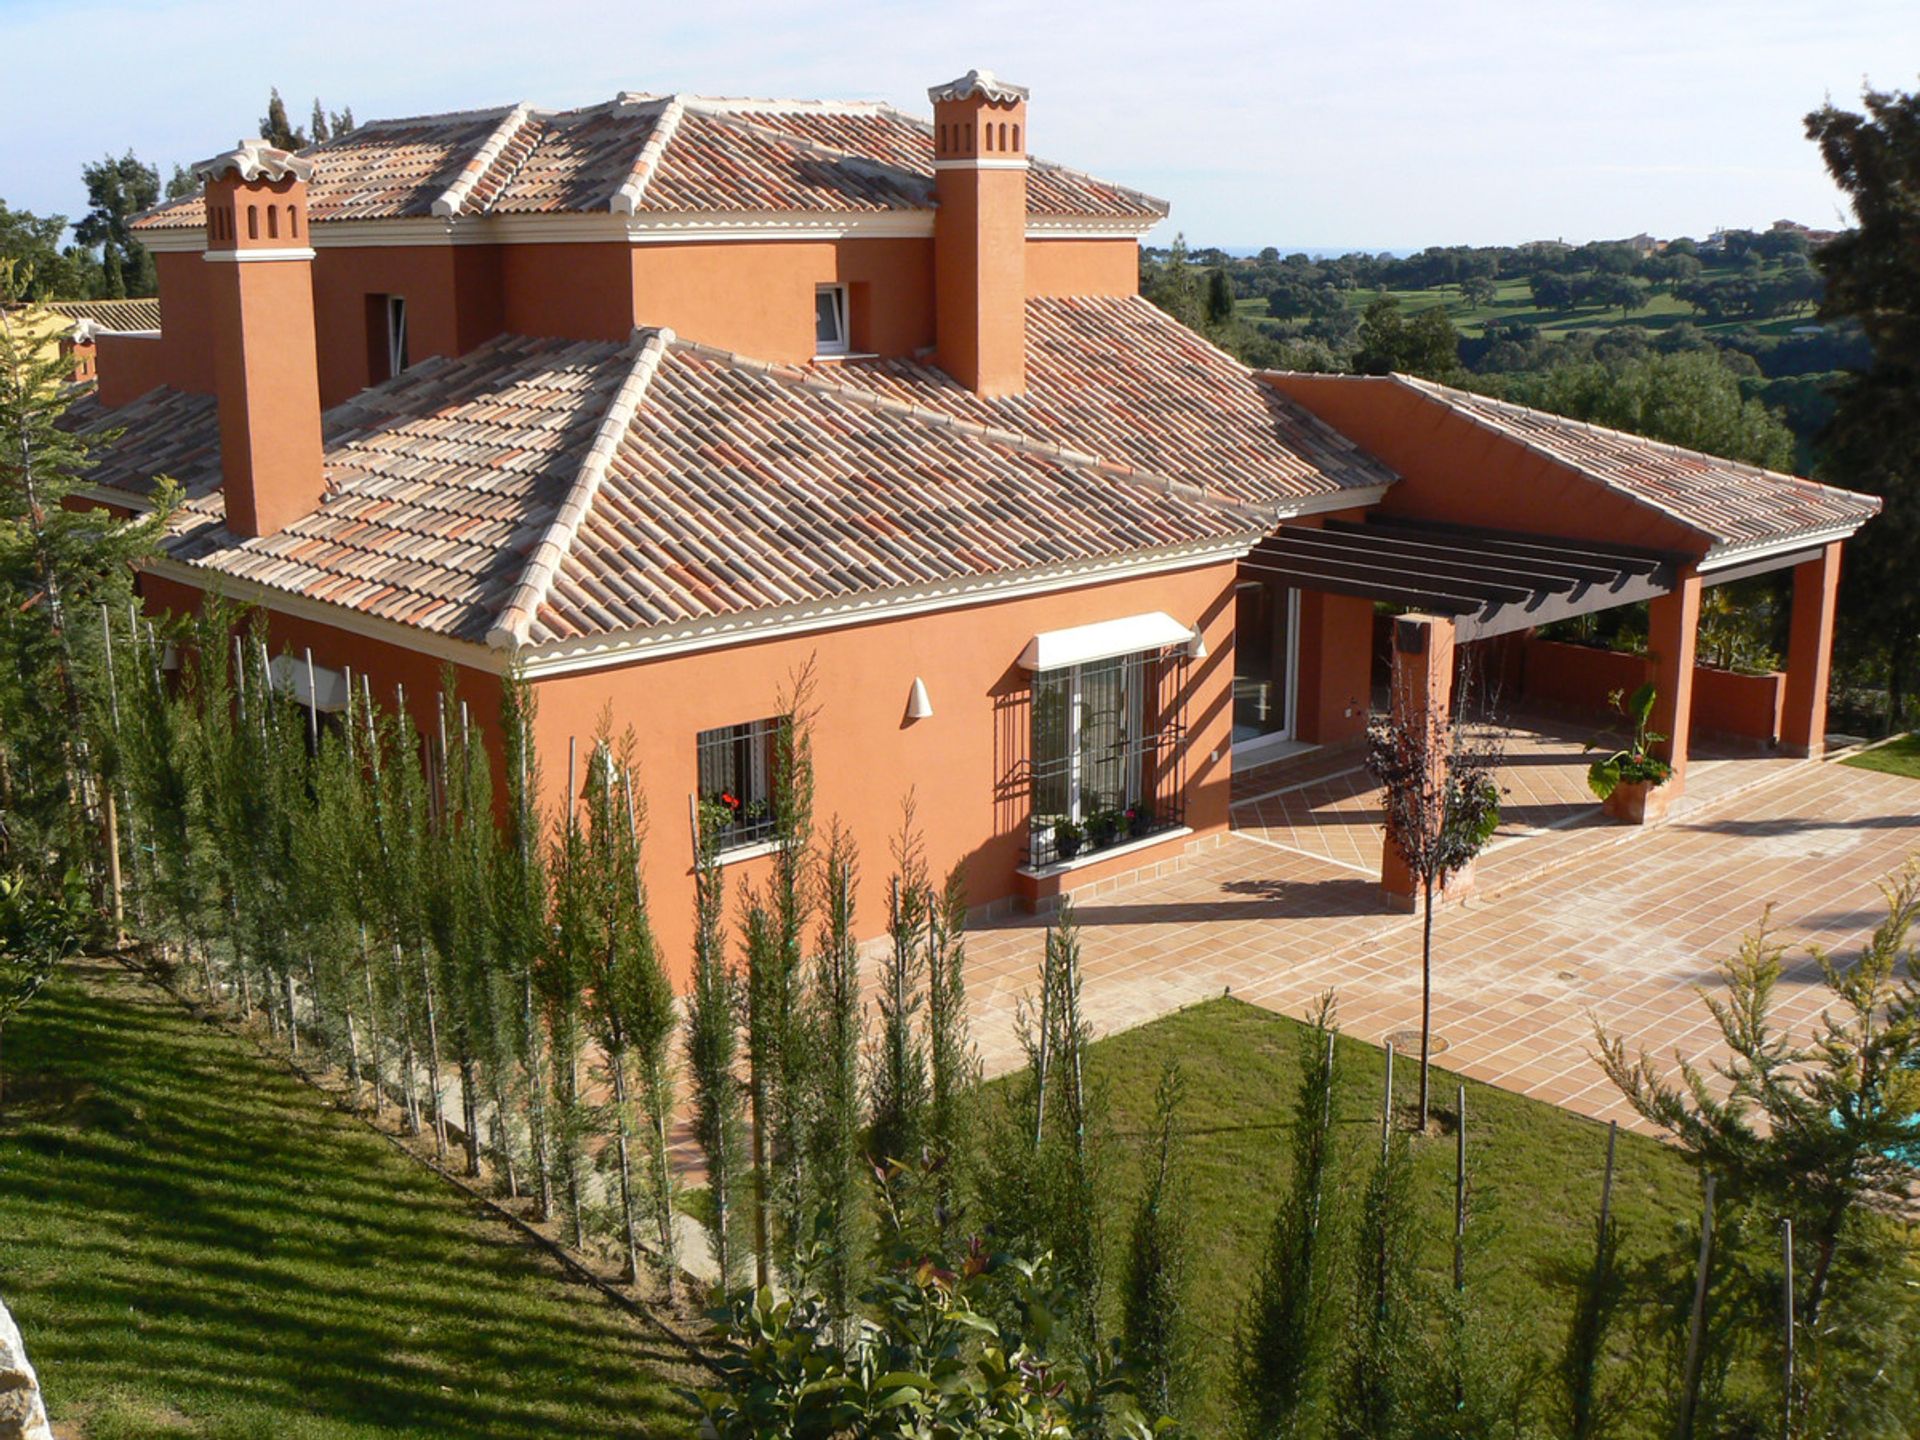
{"x": 722, "y": 155}
{"x": 1731, "y": 503}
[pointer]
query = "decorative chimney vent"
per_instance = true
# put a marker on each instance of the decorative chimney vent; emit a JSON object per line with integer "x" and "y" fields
{"x": 980, "y": 232}
{"x": 266, "y": 370}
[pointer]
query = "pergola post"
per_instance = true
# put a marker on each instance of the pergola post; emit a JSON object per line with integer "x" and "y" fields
{"x": 1673, "y": 622}
{"x": 1422, "y": 696}
{"x": 1803, "y": 718}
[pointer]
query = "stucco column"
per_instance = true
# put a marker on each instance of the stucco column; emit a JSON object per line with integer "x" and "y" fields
{"x": 1422, "y": 692}
{"x": 1673, "y": 621}
{"x": 1803, "y": 717}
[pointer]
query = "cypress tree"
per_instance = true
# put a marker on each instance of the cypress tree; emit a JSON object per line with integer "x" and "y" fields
{"x": 1153, "y": 1306}
{"x": 649, "y": 1004}
{"x": 953, "y": 1066}
{"x": 900, "y": 1077}
{"x": 1284, "y": 1337}
{"x": 790, "y": 900}
{"x": 521, "y": 930}
{"x": 564, "y": 978}
{"x": 713, "y": 1046}
{"x": 1380, "y": 1363}
{"x": 834, "y": 1038}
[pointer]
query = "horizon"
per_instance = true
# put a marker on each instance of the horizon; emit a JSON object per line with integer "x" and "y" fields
{"x": 1605, "y": 124}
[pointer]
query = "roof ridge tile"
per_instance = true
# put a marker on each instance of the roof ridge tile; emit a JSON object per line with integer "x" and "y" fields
{"x": 626, "y": 199}
{"x": 451, "y": 200}
{"x": 516, "y": 617}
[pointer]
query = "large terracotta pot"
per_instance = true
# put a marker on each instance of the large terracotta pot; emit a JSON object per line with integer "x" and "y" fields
{"x": 1639, "y": 802}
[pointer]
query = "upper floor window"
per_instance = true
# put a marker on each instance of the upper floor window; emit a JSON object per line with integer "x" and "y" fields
{"x": 830, "y": 320}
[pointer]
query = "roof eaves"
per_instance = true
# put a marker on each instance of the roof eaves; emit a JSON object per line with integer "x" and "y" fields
{"x": 515, "y": 623}
{"x": 626, "y": 200}
{"x": 454, "y": 198}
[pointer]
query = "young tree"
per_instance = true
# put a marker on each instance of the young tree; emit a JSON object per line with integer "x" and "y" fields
{"x": 1220, "y": 298}
{"x": 59, "y": 564}
{"x": 38, "y": 929}
{"x": 276, "y": 129}
{"x": 1442, "y": 805}
{"x": 833, "y": 1026}
{"x": 953, "y": 1066}
{"x": 564, "y": 976}
{"x": 713, "y": 1049}
{"x": 1588, "y": 1408}
{"x": 900, "y": 1074}
{"x": 1156, "y": 1337}
{"x": 521, "y": 925}
{"x": 1285, "y": 1335}
{"x": 1814, "y": 1131}
{"x": 1380, "y": 1362}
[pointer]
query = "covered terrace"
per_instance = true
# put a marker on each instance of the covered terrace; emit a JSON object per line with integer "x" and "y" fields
{"x": 1506, "y": 519}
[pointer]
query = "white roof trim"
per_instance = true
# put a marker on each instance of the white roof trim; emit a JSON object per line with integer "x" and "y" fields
{"x": 978, "y": 82}
{"x": 328, "y": 691}
{"x": 1129, "y": 635}
{"x": 1721, "y": 557}
{"x": 454, "y": 198}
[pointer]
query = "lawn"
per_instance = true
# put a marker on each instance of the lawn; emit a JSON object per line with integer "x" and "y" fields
{"x": 197, "y": 1244}
{"x": 1535, "y": 1173}
{"x": 1896, "y": 757}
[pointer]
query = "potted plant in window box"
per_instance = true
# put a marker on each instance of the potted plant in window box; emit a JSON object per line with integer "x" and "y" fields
{"x": 1631, "y": 782}
{"x": 1139, "y": 820}
{"x": 1067, "y": 837}
{"x": 1103, "y": 828}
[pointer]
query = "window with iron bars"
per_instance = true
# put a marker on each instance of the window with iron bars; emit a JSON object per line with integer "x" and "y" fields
{"x": 736, "y": 781}
{"x": 1108, "y": 754}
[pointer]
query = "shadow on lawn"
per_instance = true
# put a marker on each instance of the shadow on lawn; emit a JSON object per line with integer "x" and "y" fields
{"x": 193, "y": 1229}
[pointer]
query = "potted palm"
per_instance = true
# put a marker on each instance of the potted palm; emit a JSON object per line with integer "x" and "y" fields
{"x": 1631, "y": 781}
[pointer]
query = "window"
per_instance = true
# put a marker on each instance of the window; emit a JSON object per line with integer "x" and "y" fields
{"x": 736, "y": 781}
{"x": 830, "y": 320}
{"x": 396, "y": 335}
{"x": 1108, "y": 757}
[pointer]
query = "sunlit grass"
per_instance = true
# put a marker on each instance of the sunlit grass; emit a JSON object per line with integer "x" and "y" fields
{"x": 195, "y": 1243}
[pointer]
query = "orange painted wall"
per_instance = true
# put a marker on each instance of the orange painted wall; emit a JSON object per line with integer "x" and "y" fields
{"x": 128, "y": 366}
{"x": 756, "y": 298}
{"x": 961, "y": 763}
{"x": 1083, "y": 267}
{"x": 1335, "y": 670}
{"x": 1581, "y": 677}
{"x": 581, "y": 292}
{"x": 453, "y": 297}
{"x": 1509, "y": 488}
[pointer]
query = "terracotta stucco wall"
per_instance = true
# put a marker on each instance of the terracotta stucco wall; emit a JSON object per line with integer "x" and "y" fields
{"x": 581, "y": 292}
{"x": 1083, "y": 267}
{"x": 453, "y": 297}
{"x": 962, "y": 764}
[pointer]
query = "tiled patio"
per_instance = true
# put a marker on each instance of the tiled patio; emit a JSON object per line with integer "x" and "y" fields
{"x": 1573, "y": 918}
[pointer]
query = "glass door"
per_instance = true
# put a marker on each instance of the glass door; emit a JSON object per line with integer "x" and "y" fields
{"x": 1265, "y": 656}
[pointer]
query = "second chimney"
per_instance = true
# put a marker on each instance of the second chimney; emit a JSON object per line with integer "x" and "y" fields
{"x": 266, "y": 370}
{"x": 980, "y": 232}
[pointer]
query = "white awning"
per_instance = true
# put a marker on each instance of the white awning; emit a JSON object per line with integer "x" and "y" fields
{"x": 289, "y": 674}
{"x": 1057, "y": 649}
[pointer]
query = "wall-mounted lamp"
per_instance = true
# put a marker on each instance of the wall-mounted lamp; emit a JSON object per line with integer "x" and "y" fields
{"x": 1197, "y": 646}
{"x": 919, "y": 706}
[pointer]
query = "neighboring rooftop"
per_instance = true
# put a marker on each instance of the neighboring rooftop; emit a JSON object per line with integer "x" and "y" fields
{"x": 639, "y": 154}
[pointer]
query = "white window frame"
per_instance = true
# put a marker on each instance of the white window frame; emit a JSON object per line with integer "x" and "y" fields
{"x": 1282, "y": 739}
{"x": 396, "y": 334}
{"x": 840, "y": 346}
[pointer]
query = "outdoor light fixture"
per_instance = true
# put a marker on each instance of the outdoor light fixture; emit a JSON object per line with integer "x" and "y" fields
{"x": 1197, "y": 646}
{"x": 919, "y": 707}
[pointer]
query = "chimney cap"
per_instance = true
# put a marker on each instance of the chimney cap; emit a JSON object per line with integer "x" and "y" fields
{"x": 255, "y": 160}
{"x": 980, "y": 82}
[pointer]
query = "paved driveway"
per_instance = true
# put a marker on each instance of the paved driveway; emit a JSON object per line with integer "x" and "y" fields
{"x": 1583, "y": 921}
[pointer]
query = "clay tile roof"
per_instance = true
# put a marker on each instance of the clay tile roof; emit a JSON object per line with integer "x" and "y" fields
{"x": 139, "y": 314}
{"x": 685, "y": 153}
{"x": 1118, "y": 377}
{"x": 1732, "y": 504}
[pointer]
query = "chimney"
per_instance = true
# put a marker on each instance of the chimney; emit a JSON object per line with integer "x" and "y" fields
{"x": 980, "y": 232}
{"x": 266, "y": 374}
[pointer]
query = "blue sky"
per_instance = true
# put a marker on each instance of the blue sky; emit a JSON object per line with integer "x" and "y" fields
{"x": 1363, "y": 123}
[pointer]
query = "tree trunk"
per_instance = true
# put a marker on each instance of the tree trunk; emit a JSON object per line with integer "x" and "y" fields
{"x": 293, "y": 1019}
{"x": 433, "y": 1061}
{"x": 537, "y": 1108}
{"x": 470, "y": 1114}
{"x": 762, "y": 1218}
{"x": 617, "y": 1063}
{"x": 113, "y": 871}
{"x": 1426, "y": 996}
{"x": 353, "y": 1061}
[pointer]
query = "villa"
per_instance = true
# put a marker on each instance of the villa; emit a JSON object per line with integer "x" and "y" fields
{"x": 662, "y": 400}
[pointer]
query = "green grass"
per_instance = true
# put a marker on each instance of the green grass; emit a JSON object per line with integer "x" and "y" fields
{"x": 1535, "y": 1173}
{"x": 1513, "y": 304}
{"x": 1896, "y": 757}
{"x": 195, "y": 1243}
